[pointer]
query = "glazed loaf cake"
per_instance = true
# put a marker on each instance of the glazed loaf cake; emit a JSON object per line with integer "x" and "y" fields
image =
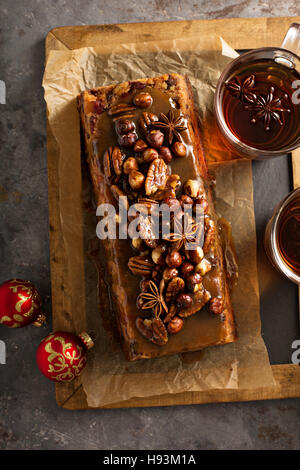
{"x": 141, "y": 140}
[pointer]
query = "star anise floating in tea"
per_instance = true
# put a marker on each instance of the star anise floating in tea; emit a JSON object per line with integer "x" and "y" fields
{"x": 243, "y": 90}
{"x": 268, "y": 109}
{"x": 171, "y": 124}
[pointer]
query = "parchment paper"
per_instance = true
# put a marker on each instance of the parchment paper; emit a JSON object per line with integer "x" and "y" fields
{"x": 108, "y": 377}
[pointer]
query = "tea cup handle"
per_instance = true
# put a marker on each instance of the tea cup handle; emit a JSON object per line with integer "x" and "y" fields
{"x": 291, "y": 40}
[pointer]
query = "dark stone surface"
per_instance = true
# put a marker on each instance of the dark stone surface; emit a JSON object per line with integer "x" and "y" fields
{"x": 29, "y": 416}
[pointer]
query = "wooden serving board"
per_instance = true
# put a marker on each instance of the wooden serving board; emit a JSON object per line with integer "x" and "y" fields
{"x": 240, "y": 33}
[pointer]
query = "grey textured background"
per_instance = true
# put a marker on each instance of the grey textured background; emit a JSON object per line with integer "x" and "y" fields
{"x": 29, "y": 416}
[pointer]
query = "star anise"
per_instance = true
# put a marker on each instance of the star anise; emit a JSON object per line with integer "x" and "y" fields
{"x": 182, "y": 236}
{"x": 268, "y": 108}
{"x": 171, "y": 124}
{"x": 153, "y": 299}
{"x": 244, "y": 90}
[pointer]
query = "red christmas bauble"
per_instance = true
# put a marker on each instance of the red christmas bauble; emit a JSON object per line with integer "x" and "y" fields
{"x": 61, "y": 356}
{"x": 20, "y": 304}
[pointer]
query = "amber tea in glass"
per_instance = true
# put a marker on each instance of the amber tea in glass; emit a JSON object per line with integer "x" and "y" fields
{"x": 282, "y": 236}
{"x": 257, "y": 105}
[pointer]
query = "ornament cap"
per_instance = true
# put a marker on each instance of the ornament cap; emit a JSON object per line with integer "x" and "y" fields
{"x": 40, "y": 320}
{"x": 86, "y": 339}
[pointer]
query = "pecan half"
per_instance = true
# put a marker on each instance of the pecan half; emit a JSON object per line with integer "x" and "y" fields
{"x": 120, "y": 108}
{"x": 175, "y": 286}
{"x": 171, "y": 313}
{"x": 141, "y": 266}
{"x": 117, "y": 193}
{"x": 156, "y": 176}
{"x": 144, "y": 328}
{"x": 146, "y": 205}
{"x": 160, "y": 334}
{"x": 152, "y": 329}
{"x": 146, "y": 120}
{"x": 209, "y": 236}
{"x": 112, "y": 163}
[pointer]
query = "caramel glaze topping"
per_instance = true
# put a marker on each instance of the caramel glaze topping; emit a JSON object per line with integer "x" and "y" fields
{"x": 144, "y": 149}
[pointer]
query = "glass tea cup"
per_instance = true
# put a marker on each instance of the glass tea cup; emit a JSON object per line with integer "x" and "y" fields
{"x": 282, "y": 236}
{"x": 257, "y": 100}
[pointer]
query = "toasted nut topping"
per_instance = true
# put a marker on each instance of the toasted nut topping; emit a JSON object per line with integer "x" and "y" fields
{"x": 157, "y": 254}
{"x": 209, "y": 236}
{"x": 140, "y": 146}
{"x": 127, "y": 140}
{"x": 216, "y": 306}
{"x": 175, "y": 325}
{"x": 129, "y": 165}
{"x": 123, "y": 126}
{"x": 192, "y": 188}
{"x": 156, "y": 177}
{"x": 143, "y": 100}
{"x": 141, "y": 266}
{"x": 203, "y": 267}
{"x": 112, "y": 163}
{"x": 184, "y": 301}
{"x": 155, "y": 139}
{"x": 120, "y": 108}
{"x": 174, "y": 259}
{"x": 196, "y": 255}
{"x": 149, "y": 155}
{"x": 136, "y": 180}
{"x": 179, "y": 149}
{"x": 137, "y": 243}
{"x": 166, "y": 154}
{"x": 200, "y": 299}
{"x": 175, "y": 286}
{"x": 169, "y": 273}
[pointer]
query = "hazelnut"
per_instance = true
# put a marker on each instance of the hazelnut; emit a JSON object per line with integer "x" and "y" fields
{"x": 172, "y": 202}
{"x": 203, "y": 203}
{"x": 203, "y": 267}
{"x": 127, "y": 140}
{"x": 216, "y": 306}
{"x": 196, "y": 255}
{"x": 193, "y": 280}
{"x": 129, "y": 165}
{"x": 139, "y": 303}
{"x": 179, "y": 149}
{"x": 170, "y": 273}
{"x": 136, "y": 180}
{"x": 175, "y": 325}
{"x": 157, "y": 254}
{"x": 174, "y": 182}
{"x": 187, "y": 268}
{"x": 140, "y": 146}
{"x": 155, "y": 138}
{"x": 165, "y": 154}
{"x": 137, "y": 243}
{"x": 144, "y": 285}
{"x": 149, "y": 155}
{"x": 174, "y": 259}
{"x": 192, "y": 188}
{"x": 156, "y": 273}
{"x": 123, "y": 126}
{"x": 184, "y": 301}
{"x": 143, "y": 100}
{"x": 184, "y": 199}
